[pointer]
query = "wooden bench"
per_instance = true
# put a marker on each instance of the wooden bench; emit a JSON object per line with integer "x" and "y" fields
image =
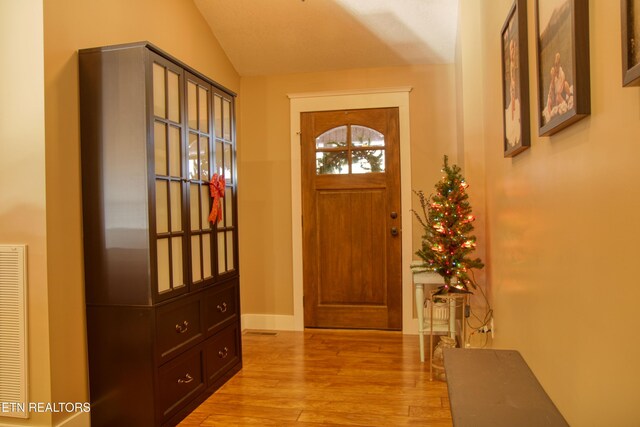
{"x": 496, "y": 388}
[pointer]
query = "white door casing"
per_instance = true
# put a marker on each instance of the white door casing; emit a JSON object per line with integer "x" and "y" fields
{"x": 375, "y": 98}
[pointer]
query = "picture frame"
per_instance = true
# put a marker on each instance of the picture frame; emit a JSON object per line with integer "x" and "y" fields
{"x": 515, "y": 81}
{"x": 630, "y": 11}
{"x": 562, "y": 51}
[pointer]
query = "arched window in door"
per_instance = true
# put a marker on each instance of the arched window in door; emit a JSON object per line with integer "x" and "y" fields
{"x": 350, "y": 149}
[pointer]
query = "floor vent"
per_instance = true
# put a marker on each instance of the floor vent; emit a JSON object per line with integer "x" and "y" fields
{"x": 273, "y": 334}
{"x": 13, "y": 331}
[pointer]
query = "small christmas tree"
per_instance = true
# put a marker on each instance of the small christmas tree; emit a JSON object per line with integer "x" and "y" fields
{"x": 446, "y": 243}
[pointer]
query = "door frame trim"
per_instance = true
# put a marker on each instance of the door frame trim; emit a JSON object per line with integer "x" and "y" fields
{"x": 351, "y": 100}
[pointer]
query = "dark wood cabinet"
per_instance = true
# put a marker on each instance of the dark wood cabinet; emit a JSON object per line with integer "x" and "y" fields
{"x": 161, "y": 280}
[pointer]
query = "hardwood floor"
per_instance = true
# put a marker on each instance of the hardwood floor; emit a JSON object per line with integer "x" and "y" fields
{"x": 328, "y": 378}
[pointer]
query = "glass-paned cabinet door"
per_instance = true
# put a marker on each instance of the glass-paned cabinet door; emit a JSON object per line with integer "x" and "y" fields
{"x": 169, "y": 173}
{"x": 200, "y": 152}
{"x": 225, "y": 161}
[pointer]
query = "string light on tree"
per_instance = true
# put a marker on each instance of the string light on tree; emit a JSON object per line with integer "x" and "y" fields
{"x": 447, "y": 222}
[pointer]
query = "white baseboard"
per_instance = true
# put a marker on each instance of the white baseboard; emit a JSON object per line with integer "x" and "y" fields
{"x": 278, "y": 322}
{"x": 79, "y": 419}
{"x": 275, "y": 322}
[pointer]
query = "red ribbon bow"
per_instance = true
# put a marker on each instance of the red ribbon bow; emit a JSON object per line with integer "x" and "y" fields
{"x": 216, "y": 187}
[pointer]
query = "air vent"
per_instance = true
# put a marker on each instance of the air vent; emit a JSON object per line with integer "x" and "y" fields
{"x": 13, "y": 331}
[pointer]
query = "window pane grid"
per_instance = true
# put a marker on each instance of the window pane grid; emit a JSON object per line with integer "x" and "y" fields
{"x": 207, "y": 271}
{"x": 173, "y": 96}
{"x": 350, "y": 149}
{"x": 201, "y": 130}
{"x": 177, "y": 276}
{"x": 169, "y": 259}
{"x": 203, "y": 109}
{"x": 169, "y": 171}
{"x": 226, "y": 119}
{"x": 175, "y": 151}
{"x": 205, "y": 207}
{"x": 194, "y": 127}
{"x": 217, "y": 115}
{"x": 198, "y": 108}
{"x": 203, "y": 157}
{"x": 162, "y": 259}
{"x": 196, "y": 261}
{"x": 223, "y": 164}
{"x": 199, "y": 157}
{"x": 168, "y": 193}
{"x": 202, "y": 255}
{"x": 194, "y": 164}
{"x": 192, "y": 105}
{"x": 169, "y": 229}
{"x": 160, "y": 147}
{"x": 222, "y": 264}
{"x": 159, "y": 90}
{"x": 166, "y": 97}
{"x": 230, "y": 250}
{"x": 167, "y": 145}
{"x": 366, "y": 137}
{"x": 201, "y": 230}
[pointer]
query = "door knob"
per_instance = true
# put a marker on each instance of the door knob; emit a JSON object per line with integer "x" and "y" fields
{"x": 394, "y": 215}
{"x": 394, "y": 231}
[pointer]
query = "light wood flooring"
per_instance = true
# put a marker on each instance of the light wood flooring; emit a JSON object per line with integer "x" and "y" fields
{"x": 328, "y": 378}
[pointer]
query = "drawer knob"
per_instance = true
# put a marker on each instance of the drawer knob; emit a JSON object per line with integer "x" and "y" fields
{"x": 182, "y": 328}
{"x": 223, "y": 353}
{"x": 185, "y": 380}
{"x": 222, "y": 308}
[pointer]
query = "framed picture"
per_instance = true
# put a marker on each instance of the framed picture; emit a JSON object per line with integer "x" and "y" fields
{"x": 562, "y": 41}
{"x": 630, "y": 42}
{"x": 515, "y": 80}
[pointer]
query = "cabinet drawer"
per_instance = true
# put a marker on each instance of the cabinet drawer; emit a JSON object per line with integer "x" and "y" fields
{"x": 180, "y": 381}
{"x": 220, "y": 306}
{"x": 221, "y": 352}
{"x": 178, "y": 325}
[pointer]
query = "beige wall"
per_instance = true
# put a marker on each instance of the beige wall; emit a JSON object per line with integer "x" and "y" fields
{"x": 557, "y": 221}
{"x": 44, "y": 211}
{"x": 265, "y": 156}
{"x": 471, "y": 143}
{"x": 562, "y": 222}
{"x": 22, "y": 176}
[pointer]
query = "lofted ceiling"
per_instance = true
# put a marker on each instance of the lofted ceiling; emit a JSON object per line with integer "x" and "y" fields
{"x": 266, "y": 37}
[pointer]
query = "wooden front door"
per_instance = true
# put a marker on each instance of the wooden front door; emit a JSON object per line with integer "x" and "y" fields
{"x": 351, "y": 219}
